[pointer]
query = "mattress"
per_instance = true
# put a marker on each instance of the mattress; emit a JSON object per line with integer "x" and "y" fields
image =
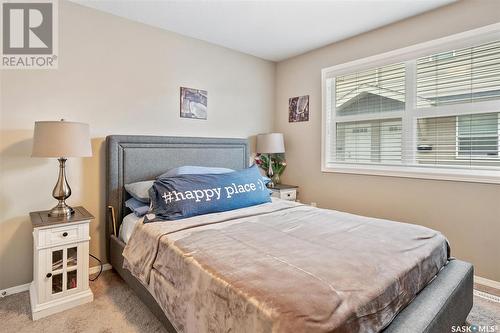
{"x": 127, "y": 227}
{"x": 283, "y": 267}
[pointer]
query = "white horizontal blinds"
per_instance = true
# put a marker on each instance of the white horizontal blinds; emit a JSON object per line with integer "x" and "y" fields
{"x": 375, "y": 90}
{"x": 366, "y": 104}
{"x": 453, "y": 78}
{"x": 459, "y": 76}
{"x": 438, "y": 111}
{"x": 477, "y": 135}
{"x": 373, "y": 141}
{"x": 464, "y": 140}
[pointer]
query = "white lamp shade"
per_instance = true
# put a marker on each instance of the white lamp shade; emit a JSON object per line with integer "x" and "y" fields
{"x": 61, "y": 139}
{"x": 271, "y": 143}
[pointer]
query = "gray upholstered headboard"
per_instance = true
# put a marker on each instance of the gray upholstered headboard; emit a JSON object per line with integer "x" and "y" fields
{"x": 132, "y": 158}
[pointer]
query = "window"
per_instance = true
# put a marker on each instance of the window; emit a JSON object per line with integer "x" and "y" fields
{"x": 431, "y": 115}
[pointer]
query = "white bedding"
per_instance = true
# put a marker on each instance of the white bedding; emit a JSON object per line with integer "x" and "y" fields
{"x": 127, "y": 226}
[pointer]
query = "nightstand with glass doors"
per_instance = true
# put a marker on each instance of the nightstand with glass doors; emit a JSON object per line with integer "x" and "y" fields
{"x": 60, "y": 262}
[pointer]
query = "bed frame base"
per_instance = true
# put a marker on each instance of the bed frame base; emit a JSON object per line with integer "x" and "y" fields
{"x": 116, "y": 249}
{"x": 445, "y": 302}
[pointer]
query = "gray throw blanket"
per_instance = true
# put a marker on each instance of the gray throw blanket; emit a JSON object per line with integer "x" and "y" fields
{"x": 283, "y": 267}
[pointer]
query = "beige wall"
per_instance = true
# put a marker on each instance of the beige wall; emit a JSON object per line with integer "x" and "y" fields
{"x": 120, "y": 77}
{"x": 467, "y": 213}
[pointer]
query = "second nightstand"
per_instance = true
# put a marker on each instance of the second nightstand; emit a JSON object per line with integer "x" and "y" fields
{"x": 285, "y": 192}
{"x": 60, "y": 262}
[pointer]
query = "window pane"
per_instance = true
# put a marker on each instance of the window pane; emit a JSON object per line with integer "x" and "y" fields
{"x": 478, "y": 146}
{"x": 459, "y": 76}
{"x": 478, "y": 124}
{"x": 375, "y": 141}
{"x": 478, "y": 135}
{"x": 469, "y": 140}
{"x": 376, "y": 90}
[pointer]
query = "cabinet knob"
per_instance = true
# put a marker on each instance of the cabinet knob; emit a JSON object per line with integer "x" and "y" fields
{"x": 65, "y": 234}
{"x": 49, "y": 275}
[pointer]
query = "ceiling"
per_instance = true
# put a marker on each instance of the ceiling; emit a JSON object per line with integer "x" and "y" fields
{"x": 272, "y": 30}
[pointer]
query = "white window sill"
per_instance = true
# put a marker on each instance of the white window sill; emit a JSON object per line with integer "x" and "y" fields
{"x": 462, "y": 175}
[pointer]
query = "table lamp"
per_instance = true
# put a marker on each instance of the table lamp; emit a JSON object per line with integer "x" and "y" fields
{"x": 270, "y": 143}
{"x": 61, "y": 139}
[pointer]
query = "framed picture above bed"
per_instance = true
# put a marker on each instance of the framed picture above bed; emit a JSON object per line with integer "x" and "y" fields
{"x": 193, "y": 103}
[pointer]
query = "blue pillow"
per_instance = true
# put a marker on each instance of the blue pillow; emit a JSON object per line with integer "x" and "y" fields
{"x": 136, "y": 206}
{"x": 183, "y": 196}
{"x": 140, "y": 190}
{"x": 194, "y": 170}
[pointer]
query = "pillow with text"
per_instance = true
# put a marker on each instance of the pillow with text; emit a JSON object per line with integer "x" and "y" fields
{"x": 188, "y": 195}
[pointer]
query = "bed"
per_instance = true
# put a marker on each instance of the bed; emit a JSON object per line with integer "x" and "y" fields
{"x": 444, "y": 301}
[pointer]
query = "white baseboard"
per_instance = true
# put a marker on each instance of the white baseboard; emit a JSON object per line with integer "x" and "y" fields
{"x": 487, "y": 282}
{"x": 26, "y": 287}
{"x": 14, "y": 290}
{"x": 489, "y": 297}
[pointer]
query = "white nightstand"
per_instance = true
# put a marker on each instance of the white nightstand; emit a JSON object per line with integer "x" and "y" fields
{"x": 60, "y": 262}
{"x": 285, "y": 192}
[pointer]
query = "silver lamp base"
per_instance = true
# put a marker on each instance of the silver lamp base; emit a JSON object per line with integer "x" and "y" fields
{"x": 270, "y": 172}
{"x": 61, "y": 210}
{"x": 61, "y": 192}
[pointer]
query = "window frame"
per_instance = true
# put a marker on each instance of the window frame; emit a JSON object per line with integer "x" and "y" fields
{"x": 411, "y": 114}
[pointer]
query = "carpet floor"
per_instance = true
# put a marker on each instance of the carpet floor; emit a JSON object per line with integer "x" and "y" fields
{"x": 117, "y": 309}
